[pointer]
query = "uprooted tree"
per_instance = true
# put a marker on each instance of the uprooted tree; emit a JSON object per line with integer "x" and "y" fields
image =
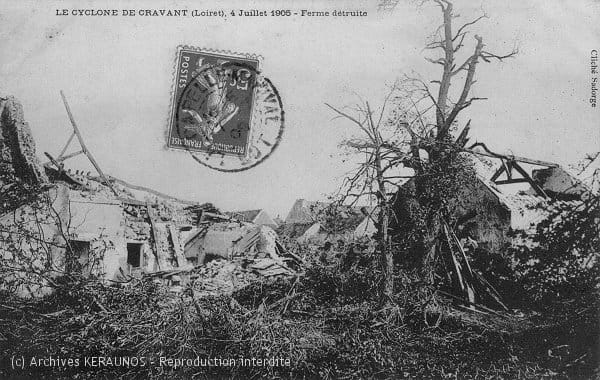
{"x": 415, "y": 136}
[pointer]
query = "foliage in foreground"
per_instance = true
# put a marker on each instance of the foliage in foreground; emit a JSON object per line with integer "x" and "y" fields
{"x": 327, "y": 322}
{"x": 561, "y": 259}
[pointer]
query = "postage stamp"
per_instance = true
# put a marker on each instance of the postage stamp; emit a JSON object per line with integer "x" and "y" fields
{"x": 224, "y": 111}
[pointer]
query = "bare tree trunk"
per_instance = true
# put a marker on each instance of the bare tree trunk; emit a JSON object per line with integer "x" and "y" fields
{"x": 381, "y": 156}
{"x": 387, "y": 259}
{"x": 448, "y": 63}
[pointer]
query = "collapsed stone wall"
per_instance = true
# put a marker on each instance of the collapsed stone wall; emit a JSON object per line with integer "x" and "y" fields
{"x": 138, "y": 216}
{"x": 21, "y": 174}
{"x": 17, "y": 146}
{"x": 137, "y": 227}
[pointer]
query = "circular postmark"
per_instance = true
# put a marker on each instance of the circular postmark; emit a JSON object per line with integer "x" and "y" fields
{"x": 228, "y": 116}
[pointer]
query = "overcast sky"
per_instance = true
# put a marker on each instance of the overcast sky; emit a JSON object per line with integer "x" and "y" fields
{"x": 117, "y": 73}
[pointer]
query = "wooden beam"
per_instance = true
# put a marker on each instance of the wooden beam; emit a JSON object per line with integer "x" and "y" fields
{"x": 511, "y": 181}
{"x": 464, "y": 279}
{"x": 515, "y": 158}
{"x": 146, "y": 189}
{"x": 71, "y": 155}
{"x": 66, "y": 146}
{"x": 60, "y": 168}
{"x": 82, "y": 144}
{"x": 498, "y": 173}
{"x": 131, "y": 201}
{"x": 151, "y": 216}
{"x": 509, "y": 168}
{"x": 217, "y": 216}
{"x": 177, "y": 246}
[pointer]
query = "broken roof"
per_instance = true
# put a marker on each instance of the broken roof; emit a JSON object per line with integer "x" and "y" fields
{"x": 526, "y": 207}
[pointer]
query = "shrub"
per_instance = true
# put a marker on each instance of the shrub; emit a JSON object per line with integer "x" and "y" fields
{"x": 560, "y": 260}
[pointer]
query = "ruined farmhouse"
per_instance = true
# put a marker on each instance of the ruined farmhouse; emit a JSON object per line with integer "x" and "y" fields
{"x": 55, "y": 221}
{"x": 511, "y": 195}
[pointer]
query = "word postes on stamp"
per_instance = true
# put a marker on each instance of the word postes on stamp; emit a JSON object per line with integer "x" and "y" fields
{"x": 224, "y": 112}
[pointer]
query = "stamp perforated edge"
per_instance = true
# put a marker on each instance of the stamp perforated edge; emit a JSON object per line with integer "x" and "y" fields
{"x": 173, "y": 101}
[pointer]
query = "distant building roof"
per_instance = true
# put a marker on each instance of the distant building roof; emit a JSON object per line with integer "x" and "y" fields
{"x": 245, "y": 216}
{"x": 259, "y": 216}
{"x": 304, "y": 211}
{"x": 294, "y": 230}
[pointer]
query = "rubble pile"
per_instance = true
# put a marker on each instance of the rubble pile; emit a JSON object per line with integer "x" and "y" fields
{"x": 220, "y": 277}
{"x": 232, "y": 255}
{"x": 142, "y": 232}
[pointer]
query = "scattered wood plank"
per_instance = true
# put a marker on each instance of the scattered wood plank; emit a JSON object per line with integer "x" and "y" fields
{"x": 177, "y": 246}
{"x": 152, "y": 216}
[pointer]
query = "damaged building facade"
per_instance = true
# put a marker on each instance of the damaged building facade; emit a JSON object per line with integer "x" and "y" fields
{"x": 510, "y": 195}
{"x": 65, "y": 221}
{"x": 55, "y": 221}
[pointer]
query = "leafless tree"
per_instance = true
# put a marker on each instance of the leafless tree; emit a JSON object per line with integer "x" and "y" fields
{"x": 450, "y": 45}
{"x": 36, "y": 245}
{"x": 430, "y": 141}
{"x": 416, "y": 135}
{"x": 375, "y": 178}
